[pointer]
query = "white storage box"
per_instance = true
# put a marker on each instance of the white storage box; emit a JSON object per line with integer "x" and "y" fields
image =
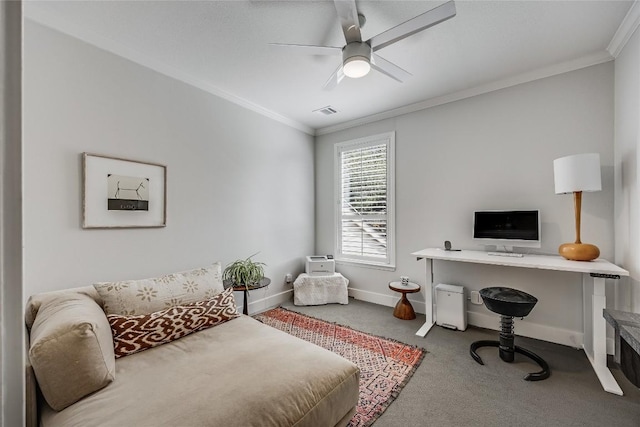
{"x": 317, "y": 290}
{"x": 320, "y": 265}
{"x": 451, "y": 309}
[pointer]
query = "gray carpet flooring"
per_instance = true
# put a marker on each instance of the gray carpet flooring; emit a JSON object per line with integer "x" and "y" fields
{"x": 450, "y": 389}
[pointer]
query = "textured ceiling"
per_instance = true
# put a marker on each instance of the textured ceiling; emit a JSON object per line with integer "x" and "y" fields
{"x": 222, "y": 46}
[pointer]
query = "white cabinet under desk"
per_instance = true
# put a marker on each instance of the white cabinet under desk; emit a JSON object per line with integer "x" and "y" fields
{"x": 593, "y": 301}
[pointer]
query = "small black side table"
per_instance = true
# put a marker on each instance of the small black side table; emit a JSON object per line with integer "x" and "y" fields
{"x": 265, "y": 281}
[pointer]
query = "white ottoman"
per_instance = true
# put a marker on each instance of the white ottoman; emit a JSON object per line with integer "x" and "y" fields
{"x": 317, "y": 290}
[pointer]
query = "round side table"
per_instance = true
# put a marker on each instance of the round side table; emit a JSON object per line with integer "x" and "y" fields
{"x": 404, "y": 309}
{"x": 265, "y": 281}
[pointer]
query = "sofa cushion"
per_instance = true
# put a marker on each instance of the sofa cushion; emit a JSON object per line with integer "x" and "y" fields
{"x": 132, "y": 334}
{"x": 71, "y": 349}
{"x": 134, "y": 297}
{"x": 240, "y": 373}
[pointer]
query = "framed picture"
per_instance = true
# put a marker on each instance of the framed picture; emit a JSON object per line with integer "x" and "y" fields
{"x": 121, "y": 193}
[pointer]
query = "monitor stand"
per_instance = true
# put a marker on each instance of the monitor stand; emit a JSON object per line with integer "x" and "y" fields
{"x": 498, "y": 248}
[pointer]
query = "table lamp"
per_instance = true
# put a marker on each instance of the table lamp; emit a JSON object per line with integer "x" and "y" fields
{"x": 575, "y": 174}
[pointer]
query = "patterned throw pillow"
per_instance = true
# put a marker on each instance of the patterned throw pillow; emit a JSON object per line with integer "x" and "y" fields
{"x": 146, "y": 296}
{"x": 132, "y": 334}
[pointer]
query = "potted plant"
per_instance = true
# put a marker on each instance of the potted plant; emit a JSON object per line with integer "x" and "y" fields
{"x": 244, "y": 272}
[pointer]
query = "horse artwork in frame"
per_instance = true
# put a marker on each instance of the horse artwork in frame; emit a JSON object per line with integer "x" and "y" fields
{"x": 121, "y": 193}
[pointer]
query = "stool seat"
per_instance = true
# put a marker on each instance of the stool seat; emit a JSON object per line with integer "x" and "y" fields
{"x": 508, "y": 301}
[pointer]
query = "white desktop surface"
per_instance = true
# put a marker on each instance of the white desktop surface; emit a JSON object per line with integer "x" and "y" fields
{"x": 594, "y": 299}
{"x": 542, "y": 262}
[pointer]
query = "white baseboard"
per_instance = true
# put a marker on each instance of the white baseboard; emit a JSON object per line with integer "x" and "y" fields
{"x": 264, "y": 304}
{"x": 488, "y": 321}
{"x": 382, "y": 299}
{"x": 533, "y": 330}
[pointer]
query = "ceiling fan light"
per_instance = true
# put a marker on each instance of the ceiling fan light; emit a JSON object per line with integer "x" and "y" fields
{"x": 356, "y": 67}
{"x": 356, "y": 59}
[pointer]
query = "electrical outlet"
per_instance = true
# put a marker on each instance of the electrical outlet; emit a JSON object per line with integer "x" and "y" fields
{"x": 288, "y": 278}
{"x": 475, "y": 298}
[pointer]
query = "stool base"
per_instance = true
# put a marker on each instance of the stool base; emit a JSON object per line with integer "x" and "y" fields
{"x": 506, "y": 354}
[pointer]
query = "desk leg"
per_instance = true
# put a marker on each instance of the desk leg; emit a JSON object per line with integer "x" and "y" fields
{"x": 595, "y": 331}
{"x": 428, "y": 304}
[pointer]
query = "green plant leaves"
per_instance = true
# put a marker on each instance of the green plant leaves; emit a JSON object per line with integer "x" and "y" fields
{"x": 244, "y": 272}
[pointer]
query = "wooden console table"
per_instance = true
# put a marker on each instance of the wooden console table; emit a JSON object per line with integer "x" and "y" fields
{"x": 593, "y": 296}
{"x": 627, "y": 328}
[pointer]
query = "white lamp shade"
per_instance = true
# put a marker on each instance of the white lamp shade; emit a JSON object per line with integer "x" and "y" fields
{"x": 580, "y": 172}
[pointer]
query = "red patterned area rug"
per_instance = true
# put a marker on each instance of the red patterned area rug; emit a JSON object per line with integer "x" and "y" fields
{"x": 385, "y": 365}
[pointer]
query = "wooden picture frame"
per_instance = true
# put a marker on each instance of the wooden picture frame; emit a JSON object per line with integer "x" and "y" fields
{"x": 122, "y": 193}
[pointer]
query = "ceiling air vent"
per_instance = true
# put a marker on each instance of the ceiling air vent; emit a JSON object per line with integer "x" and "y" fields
{"x": 327, "y": 111}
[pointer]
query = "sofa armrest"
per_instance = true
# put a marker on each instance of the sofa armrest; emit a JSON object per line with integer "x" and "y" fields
{"x": 35, "y": 301}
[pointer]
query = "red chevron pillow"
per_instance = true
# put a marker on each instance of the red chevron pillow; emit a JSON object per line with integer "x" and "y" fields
{"x": 132, "y": 334}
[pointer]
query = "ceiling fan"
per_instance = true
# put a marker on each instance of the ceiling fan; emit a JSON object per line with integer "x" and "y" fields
{"x": 358, "y": 56}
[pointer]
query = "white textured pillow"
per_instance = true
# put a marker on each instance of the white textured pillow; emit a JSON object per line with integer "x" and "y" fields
{"x": 135, "y": 297}
{"x": 71, "y": 349}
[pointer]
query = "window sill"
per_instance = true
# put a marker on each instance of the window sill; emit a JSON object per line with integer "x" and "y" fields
{"x": 366, "y": 264}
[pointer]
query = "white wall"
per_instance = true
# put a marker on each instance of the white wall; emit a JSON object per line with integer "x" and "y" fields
{"x": 627, "y": 142}
{"x": 493, "y": 151}
{"x": 238, "y": 183}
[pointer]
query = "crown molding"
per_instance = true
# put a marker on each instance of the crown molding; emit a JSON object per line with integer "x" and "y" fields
{"x": 52, "y": 20}
{"x": 541, "y": 73}
{"x": 626, "y": 29}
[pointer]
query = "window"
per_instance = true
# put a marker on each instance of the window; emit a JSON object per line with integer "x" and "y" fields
{"x": 364, "y": 188}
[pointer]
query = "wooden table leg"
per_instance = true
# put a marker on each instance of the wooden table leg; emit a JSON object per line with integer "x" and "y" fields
{"x": 404, "y": 309}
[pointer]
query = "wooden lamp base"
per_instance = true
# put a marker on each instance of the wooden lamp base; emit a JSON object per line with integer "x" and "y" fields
{"x": 579, "y": 251}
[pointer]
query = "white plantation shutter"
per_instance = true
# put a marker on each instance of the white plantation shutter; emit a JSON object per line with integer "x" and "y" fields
{"x": 364, "y": 189}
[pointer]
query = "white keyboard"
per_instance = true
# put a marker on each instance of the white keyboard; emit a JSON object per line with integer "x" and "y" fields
{"x": 509, "y": 254}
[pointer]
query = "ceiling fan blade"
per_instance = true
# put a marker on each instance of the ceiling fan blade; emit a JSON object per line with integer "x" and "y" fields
{"x": 302, "y": 49}
{"x": 335, "y": 78}
{"x": 389, "y": 68}
{"x": 414, "y": 25}
{"x": 348, "y": 16}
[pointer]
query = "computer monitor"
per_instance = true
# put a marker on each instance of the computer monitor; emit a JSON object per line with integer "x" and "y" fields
{"x": 519, "y": 228}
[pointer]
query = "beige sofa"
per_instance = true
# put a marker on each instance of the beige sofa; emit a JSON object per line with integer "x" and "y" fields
{"x": 237, "y": 373}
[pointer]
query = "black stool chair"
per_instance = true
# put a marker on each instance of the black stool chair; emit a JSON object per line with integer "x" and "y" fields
{"x": 509, "y": 303}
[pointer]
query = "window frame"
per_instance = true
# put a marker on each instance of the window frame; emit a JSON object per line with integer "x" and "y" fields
{"x": 389, "y": 263}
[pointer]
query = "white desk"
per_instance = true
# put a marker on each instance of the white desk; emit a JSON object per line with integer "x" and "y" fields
{"x": 593, "y": 301}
